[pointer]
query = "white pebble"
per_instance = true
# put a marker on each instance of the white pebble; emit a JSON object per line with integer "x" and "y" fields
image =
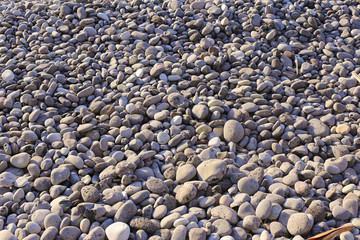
{"x": 118, "y": 231}
{"x": 214, "y": 142}
{"x": 8, "y": 75}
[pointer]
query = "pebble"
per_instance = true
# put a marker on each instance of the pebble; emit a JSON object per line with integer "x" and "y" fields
{"x": 263, "y": 209}
{"x": 340, "y": 213}
{"x": 226, "y": 213}
{"x": 300, "y": 223}
{"x": 185, "y": 173}
{"x": 8, "y": 75}
{"x": 172, "y": 120}
{"x": 6, "y": 234}
{"x": 20, "y": 160}
{"x": 248, "y": 185}
{"x": 211, "y": 171}
{"x": 233, "y": 131}
{"x": 59, "y": 175}
{"x": 7, "y": 179}
{"x": 70, "y": 232}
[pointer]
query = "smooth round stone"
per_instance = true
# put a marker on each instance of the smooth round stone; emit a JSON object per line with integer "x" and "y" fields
{"x": 340, "y": 163}
{"x": 39, "y": 215}
{"x": 341, "y": 213}
{"x": 32, "y": 227}
{"x": 278, "y": 230}
{"x": 214, "y": 142}
{"x": 52, "y": 220}
{"x": 318, "y": 128}
{"x": 346, "y": 236}
{"x": 251, "y": 222}
{"x": 226, "y": 213}
{"x": 76, "y": 161}
{"x": 299, "y": 223}
{"x": 156, "y": 185}
{"x": 159, "y": 212}
{"x": 7, "y": 179}
{"x": 250, "y": 107}
{"x": 97, "y": 233}
{"x": 90, "y": 194}
{"x": 179, "y": 232}
{"x": 348, "y": 188}
{"x": 233, "y": 131}
{"x": 197, "y": 234}
{"x": 177, "y": 120}
{"x": 343, "y": 129}
{"x": 317, "y": 212}
{"x": 200, "y": 111}
{"x": 222, "y": 227}
{"x": 263, "y": 209}
{"x": 248, "y": 185}
{"x": 20, "y": 160}
{"x": 185, "y": 173}
{"x": 186, "y": 193}
{"x": 8, "y": 75}
{"x": 70, "y": 233}
{"x": 302, "y": 188}
{"x": 29, "y": 136}
{"x": 163, "y": 138}
{"x": 59, "y": 175}
{"x": 7, "y": 235}
{"x": 21, "y": 182}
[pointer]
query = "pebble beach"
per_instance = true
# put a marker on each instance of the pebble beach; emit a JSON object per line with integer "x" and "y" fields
{"x": 179, "y": 119}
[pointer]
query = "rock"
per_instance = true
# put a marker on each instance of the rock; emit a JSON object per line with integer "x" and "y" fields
{"x": 144, "y": 224}
{"x": 97, "y": 233}
{"x": 8, "y": 75}
{"x": 278, "y": 230}
{"x": 302, "y": 188}
{"x": 340, "y": 213}
{"x": 226, "y": 213}
{"x": 39, "y": 216}
{"x": 29, "y": 136}
{"x": 263, "y": 209}
{"x": 248, "y": 185}
{"x": 221, "y": 227}
{"x": 186, "y": 193}
{"x": 197, "y": 234}
{"x": 211, "y": 171}
{"x": 318, "y": 128}
{"x": 6, "y": 234}
{"x": 233, "y": 131}
{"x": 200, "y": 111}
{"x": 251, "y": 222}
{"x": 317, "y": 212}
{"x": 300, "y": 224}
{"x": 90, "y": 194}
{"x": 7, "y": 179}
{"x": 177, "y": 100}
{"x": 126, "y": 212}
{"x": 70, "y": 233}
{"x": 59, "y": 175}
{"x": 185, "y": 173}
{"x": 20, "y": 160}
{"x": 156, "y": 185}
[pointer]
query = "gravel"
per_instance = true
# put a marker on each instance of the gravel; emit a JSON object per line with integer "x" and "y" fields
{"x": 178, "y": 119}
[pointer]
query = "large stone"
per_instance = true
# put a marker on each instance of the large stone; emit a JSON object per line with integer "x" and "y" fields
{"x": 233, "y": 131}
{"x": 211, "y": 171}
{"x": 318, "y": 128}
